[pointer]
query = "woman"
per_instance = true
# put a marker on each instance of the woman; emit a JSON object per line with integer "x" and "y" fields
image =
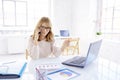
{"x": 41, "y": 43}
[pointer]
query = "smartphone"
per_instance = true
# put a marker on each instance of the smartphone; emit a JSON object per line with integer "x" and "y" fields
{"x": 39, "y": 33}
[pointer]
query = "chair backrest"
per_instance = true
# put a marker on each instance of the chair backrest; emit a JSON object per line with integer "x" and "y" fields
{"x": 27, "y": 55}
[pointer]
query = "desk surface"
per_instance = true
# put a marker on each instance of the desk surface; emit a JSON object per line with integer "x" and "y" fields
{"x": 101, "y": 69}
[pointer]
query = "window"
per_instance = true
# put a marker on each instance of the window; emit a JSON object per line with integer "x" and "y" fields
{"x": 1, "y": 16}
{"x": 21, "y": 16}
{"x": 14, "y": 13}
{"x": 110, "y": 17}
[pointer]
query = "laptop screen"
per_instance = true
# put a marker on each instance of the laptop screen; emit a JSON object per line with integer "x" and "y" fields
{"x": 93, "y": 51}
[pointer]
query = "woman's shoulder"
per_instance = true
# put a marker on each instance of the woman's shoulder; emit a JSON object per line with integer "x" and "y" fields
{"x": 52, "y": 41}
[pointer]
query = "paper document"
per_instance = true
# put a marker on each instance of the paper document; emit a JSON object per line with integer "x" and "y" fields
{"x": 62, "y": 74}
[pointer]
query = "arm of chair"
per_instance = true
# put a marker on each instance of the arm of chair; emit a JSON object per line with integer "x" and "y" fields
{"x": 26, "y": 54}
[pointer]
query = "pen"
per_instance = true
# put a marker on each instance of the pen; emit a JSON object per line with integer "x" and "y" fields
{"x": 9, "y": 62}
{"x": 39, "y": 74}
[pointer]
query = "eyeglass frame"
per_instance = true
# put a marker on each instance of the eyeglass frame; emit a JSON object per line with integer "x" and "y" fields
{"x": 43, "y": 27}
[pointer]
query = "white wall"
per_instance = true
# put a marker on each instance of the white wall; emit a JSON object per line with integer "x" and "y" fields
{"x": 62, "y": 15}
{"x": 78, "y": 16}
{"x": 84, "y": 13}
{"x": 13, "y": 44}
{"x": 84, "y": 16}
{"x": 3, "y": 45}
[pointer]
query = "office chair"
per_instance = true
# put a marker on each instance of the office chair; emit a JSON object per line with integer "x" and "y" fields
{"x": 73, "y": 48}
{"x": 26, "y": 54}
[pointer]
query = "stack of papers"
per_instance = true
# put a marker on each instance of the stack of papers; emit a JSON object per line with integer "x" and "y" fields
{"x": 10, "y": 70}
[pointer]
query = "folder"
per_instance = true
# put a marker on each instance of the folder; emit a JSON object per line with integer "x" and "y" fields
{"x": 12, "y": 70}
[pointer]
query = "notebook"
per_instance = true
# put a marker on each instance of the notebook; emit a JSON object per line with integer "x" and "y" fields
{"x": 92, "y": 54}
{"x": 12, "y": 70}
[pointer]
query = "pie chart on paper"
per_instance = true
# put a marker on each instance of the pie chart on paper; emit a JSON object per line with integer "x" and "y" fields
{"x": 65, "y": 73}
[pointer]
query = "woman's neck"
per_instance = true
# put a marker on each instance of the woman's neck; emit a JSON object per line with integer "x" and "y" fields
{"x": 42, "y": 37}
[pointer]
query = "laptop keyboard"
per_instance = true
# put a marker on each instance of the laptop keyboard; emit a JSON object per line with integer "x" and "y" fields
{"x": 79, "y": 60}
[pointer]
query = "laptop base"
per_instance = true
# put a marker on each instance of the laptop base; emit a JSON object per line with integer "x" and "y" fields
{"x": 74, "y": 62}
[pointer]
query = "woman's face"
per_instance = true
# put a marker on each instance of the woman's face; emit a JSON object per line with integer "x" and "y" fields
{"x": 44, "y": 29}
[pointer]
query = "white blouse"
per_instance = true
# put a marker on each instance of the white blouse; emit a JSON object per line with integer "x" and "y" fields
{"x": 43, "y": 49}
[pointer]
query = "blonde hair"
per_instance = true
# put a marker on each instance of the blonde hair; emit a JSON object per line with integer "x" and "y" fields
{"x": 46, "y": 20}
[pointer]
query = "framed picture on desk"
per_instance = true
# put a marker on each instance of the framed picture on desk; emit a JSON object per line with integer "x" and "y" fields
{"x": 62, "y": 74}
{"x": 64, "y": 33}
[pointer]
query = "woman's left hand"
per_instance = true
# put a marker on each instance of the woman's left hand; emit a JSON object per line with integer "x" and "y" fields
{"x": 66, "y": 43}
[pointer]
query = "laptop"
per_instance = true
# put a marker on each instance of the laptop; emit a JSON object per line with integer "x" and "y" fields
{"x": 92, "y": 54}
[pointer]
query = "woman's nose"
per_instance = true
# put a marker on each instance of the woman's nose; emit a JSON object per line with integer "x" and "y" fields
{"x": 44, "y": 30}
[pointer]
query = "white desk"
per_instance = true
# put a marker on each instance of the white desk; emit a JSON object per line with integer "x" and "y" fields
{"x": 107, "y": 68}
{"x": 100, "y": 69}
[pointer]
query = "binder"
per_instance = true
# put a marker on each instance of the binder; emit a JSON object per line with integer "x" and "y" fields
{"x": 12, "y": 70}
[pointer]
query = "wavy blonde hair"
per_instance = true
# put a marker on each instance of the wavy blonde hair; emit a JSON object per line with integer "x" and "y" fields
{"x": 46, "y": 20}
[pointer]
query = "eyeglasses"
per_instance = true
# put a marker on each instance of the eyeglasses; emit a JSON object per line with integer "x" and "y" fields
{"x": 43, "y": 27}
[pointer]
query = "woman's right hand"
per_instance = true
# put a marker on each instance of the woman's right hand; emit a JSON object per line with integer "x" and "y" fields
{"x": 36, "y": 37}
